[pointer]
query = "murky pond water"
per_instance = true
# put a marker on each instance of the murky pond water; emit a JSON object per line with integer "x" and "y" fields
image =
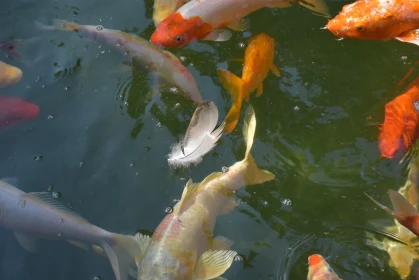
{"x": 99, "y": 145}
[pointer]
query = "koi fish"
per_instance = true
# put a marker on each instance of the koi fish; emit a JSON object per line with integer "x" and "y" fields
{"x": 319, "y": 269}
{"x": 378, "y": 20}
{"x": 14, "y": 110}
{"x": 399, "y": 242}
{"x": 161, "y": 63}
{"x": 38, "y": 215}
{"x": 183, "y": 247}
{"x": 9, "y": 75}
{"x": 404, "y": 212}
{"x": 400, "y": 127}
{"x": 206, "y": 19}
{"x": 164, "y": 8}
{"x": 258, "y": 59}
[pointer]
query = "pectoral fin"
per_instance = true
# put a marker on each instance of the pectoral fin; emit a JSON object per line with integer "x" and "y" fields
{"x": 143, "y": 241}
{"x": 27, "y": 242}
{"x": 221, "y": 243}
{"x": 275, "y": 70}
{"x": 410, "y": 37}
{"x": 239, "y": 25}
{"x": 219, "y": 35}
{"x": 213, "y": 263}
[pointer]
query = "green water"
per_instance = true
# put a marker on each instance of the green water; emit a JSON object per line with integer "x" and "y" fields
{"x": 106, "y": 154}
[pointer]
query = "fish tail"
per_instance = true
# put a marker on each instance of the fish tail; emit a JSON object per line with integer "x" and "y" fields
{"x": 121, "y": 251}
{"x": 385, "y": 208}
{"x": 235, "y": 86}
{"x": 252, "y": 174}
{"x": 401, "y": 205}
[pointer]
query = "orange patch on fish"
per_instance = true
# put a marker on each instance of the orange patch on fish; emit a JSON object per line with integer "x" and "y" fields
{"x": 400, "y": 126}
{"x": 314, "y": 260}
{"x": 176, "y": 31}
{"x": 170, "y": 227}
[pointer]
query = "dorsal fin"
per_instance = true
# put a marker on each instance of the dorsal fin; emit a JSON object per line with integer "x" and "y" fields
{"x": 46, "y": 198}
{"x": 188, "y": 193}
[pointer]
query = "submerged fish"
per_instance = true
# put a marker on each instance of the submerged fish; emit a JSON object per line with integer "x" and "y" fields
{"x": 164, "y": 8}
{"x": 402, "y": 254}
{"x": 183, "y": 247}
{"x": 38, "y": 215}
{"x": 319, "y": 269}
{"x": 258, "y": 59}
{"x": 9, "y": 75}
{"x": 205, "y": 19}
{"x": 14, "y": 110}
{"x": 159, "y": 62}
{"x": 400, "y": 128}
{"x": 378, "y": 20}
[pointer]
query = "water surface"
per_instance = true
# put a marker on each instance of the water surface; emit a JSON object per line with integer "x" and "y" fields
{"x": 105, "y": 151}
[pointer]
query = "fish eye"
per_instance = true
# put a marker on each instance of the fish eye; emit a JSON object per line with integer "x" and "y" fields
{"x": 99, "y": 27}
{"x": 178, "y": 38}
{"x": 360, "y": 28}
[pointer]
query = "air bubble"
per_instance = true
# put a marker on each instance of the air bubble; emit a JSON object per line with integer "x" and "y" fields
{"x": 224, "y": 169}
{"x": 22, "y": 203}
{"x": 99, "y": 27}
{"x": 238, "y": 258}
{"x": 177, "y": 105}
{"x": 168, "y": 210}
{"x": 174, "y": 89}
{"x": 241, "y": 45}
{"x": 38, "y": 158}
{"x": 287, "y": 202}
{"x": 296, "y": 108}
{"x": 56, "y": 195}
{"x": 50, "y": 117}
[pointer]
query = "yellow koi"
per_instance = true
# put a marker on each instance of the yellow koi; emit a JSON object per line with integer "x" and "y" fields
{"x": 183, "y": 247}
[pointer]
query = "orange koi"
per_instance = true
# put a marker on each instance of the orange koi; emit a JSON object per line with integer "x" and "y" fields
{"x": 318, "y": 269}
{"x": 258, "y": 59}
{"x": 206, "y": 19}
{"x": 400, "y": 128}
{"x": 378, "y": 20}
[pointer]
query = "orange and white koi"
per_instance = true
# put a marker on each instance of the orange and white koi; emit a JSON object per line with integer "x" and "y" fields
{"x": 378, "y": 20}
{"x": 319, "y": 269}
{"x": 183, "y": 247}
{"x": 161, "y": 63}
{"x": 206, "y": 19}
{"x": 258, "y": 59}
{"x": 164, "y": 8}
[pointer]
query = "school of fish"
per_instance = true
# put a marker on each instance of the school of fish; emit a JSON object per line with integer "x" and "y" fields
{"x": 183, "y": 245}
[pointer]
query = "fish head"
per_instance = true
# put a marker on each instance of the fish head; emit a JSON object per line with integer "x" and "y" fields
{"x": 14, "y": 110}
{"x": 176, "y": 31}
{"x": 391, "y": 142}
{"x": 365, "y": 19}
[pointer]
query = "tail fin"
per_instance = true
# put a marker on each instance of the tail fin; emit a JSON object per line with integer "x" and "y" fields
{"x": 401, "y": 205}
{"x": 385, "y": 208}
{"x": 122, "y": 251}
{"x": 253, "y": 175}
{"x": 234, "y": 85}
